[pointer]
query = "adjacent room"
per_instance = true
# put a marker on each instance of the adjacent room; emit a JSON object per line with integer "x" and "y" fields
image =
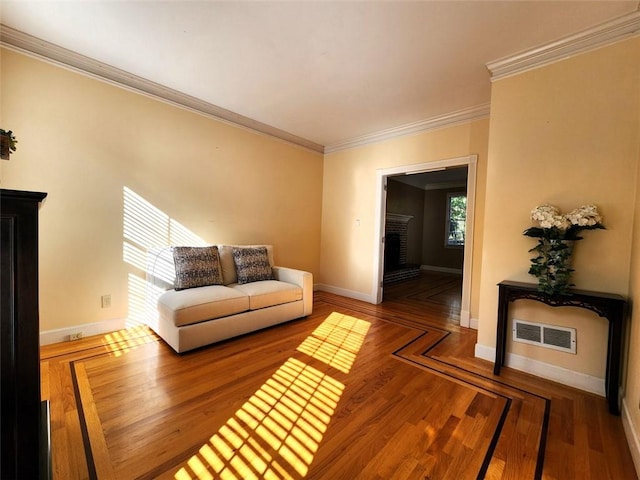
{"x": 320, "y": 240}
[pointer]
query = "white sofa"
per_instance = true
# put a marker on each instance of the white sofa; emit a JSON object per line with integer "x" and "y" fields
{"x": 194, "y": 317}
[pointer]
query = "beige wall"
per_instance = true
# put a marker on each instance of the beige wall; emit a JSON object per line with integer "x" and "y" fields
{"x": 350, "y": 194}
{"x": 569, "y": 134}
{"x": 631, "y": 377}
{"x": 565, "y": 134}
{"x": 83, "y": 141}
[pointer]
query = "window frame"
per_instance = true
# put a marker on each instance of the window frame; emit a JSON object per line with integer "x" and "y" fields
{"x": 447, "y": 242}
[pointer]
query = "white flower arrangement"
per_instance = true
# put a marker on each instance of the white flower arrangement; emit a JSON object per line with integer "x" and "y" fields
{"x": 553, "y": 224}
{"x": 556, "y": 235}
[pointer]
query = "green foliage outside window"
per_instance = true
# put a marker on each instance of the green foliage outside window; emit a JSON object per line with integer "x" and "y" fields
{"x": 456, "y": 219}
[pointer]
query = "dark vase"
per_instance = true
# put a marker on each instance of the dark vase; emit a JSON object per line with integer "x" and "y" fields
{"x": 552, "y": 265}
{"x": 5, "y": 150}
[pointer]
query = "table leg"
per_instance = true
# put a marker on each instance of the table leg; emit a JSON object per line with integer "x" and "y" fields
{"x": 501, "y": 330}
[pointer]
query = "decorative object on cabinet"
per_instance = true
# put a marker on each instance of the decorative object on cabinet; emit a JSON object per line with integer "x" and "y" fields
{"x": 556, "y": 236}
{"x": 7, "y": 143}
{"x": 23, "y": 416}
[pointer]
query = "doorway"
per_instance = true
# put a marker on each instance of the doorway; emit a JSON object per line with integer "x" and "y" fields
{"x": 444, "y": 171}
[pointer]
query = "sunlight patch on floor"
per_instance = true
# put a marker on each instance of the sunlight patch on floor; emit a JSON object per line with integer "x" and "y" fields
{"x": 124, "y": 341}
{"x": 277, "y": 432}
{"x": 336, "y": 341}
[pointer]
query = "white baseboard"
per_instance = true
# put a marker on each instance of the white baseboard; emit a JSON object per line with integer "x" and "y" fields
{"x": 473, "y": 323}
{"x": 88, "y": 329}
{"x": 632, "y": 435}
{"x": 434, "y": 268}
{"x": 344, "y": 292}
{"x": 484, "y": 352}
{"x": 554, "y": 373}
{"x": 465, "y": 318}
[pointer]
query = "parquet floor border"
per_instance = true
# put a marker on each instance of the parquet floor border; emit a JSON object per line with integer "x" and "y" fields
{"x": 424, "y": 359}
{"x": 435, "y": 348}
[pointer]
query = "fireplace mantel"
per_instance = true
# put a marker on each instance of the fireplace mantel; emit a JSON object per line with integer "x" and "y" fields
{"x": 398, "y": 217}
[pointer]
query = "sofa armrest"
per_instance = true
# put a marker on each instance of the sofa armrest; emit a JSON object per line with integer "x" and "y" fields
{"x": 302, "y": 279}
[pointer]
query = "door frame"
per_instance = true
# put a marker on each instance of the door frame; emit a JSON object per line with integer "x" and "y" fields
{"x": 470, "y": 162}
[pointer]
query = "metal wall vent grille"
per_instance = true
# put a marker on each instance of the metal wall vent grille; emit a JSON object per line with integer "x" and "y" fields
{"x": 548, "y": 336}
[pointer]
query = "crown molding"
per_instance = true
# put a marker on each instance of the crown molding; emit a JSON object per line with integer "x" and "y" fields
{"x": 607, "y": 33}
{"x": 25, "y": 43}
{"x": 460, "y": 116}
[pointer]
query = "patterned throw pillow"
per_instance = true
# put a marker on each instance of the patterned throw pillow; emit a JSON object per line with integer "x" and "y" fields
{"x": 197, "y": 267}
{"x": 252, "y": 264}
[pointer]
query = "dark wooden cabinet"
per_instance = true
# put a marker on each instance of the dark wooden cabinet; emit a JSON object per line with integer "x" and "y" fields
{"x": 21, "y": 410}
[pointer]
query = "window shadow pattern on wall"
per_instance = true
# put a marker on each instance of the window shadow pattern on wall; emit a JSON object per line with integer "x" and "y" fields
{"x": 277, "y": 432}
{"x": 148, "y": 234}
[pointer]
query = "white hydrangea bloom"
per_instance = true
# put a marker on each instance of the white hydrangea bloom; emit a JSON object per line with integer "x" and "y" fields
{"x": 585, "y": 216}
{"x": 561, "y": 222}
{"x": 549, "y": 216}
{"x": 544, "y": 213}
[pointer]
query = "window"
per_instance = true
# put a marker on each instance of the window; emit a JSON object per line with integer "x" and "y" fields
{"x": 456, "y": 219}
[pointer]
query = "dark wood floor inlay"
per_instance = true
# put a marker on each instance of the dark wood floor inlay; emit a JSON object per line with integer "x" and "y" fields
{"x": 354, "y": 391}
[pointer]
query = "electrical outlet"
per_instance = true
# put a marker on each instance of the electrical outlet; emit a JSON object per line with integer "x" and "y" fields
{"x": 106, "y": 300}
{"x": 75, "y": 336}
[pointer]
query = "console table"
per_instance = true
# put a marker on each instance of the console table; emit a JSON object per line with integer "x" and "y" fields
{"x": 607, "y": 305}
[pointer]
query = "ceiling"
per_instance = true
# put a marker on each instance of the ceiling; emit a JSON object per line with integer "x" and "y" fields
{"x": 327, "y": 72}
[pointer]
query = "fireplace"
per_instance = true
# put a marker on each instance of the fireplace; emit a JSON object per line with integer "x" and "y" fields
{"x": 396, "y": 267}
{"x": 391, "y": 251}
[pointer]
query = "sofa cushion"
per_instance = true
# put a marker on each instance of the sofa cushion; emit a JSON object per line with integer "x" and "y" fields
{"x": 229, "y": 274}
{"x": 252, "y": 264}
{"x": 199, "y": 304}
{"x": 197, "y": 267}
{"x": 268, "y": 293}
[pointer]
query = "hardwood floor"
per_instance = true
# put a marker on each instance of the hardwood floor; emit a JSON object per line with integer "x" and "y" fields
{"x": 436, "y": 293}
{"x": 354, "y": 391}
